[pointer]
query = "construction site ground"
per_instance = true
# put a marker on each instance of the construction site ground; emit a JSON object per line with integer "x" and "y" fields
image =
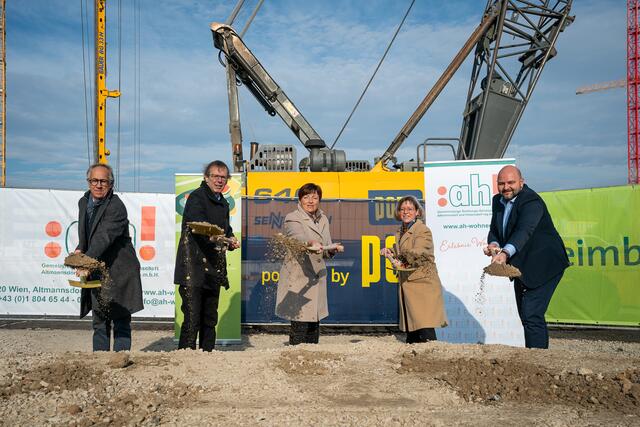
{"x": 49, "y": 376}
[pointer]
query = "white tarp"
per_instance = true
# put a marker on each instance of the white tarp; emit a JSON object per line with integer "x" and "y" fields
{"x": 38, "y": 228}
{"x": 458, "y": 205}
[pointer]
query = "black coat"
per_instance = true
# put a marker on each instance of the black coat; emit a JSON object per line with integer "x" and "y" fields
{"x": 198, "y": 263}
{"x": 109, "y": 241}
{"x": 540, "y": 254}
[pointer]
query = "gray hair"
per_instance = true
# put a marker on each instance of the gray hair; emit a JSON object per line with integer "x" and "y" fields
{"x": 101, "y": 165}
{"x": 216, "y": 164}
{"x": 414, "y": 201}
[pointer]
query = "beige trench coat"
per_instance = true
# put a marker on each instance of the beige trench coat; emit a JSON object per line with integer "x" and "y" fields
{"x": 302, "y": 288}
{"x": 420, "y": 291}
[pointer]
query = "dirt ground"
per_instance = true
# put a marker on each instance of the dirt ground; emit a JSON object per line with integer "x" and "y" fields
{"x": 50, "y": 377}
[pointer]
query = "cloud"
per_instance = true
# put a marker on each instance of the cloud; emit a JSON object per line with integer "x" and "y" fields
{"x": 322, "y": 54}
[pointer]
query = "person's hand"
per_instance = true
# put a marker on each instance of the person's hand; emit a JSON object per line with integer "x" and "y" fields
{"x": 335, "y": 248}
{"x": 386, "y": 252}
{"x": 77, "y": 251}
{"x": 491, "y": 250}
{"x": 314, "y": 246}
{"x": 233, "y": 243}
{"x": 82, "y": 272}
{"x": 500, "y": 258}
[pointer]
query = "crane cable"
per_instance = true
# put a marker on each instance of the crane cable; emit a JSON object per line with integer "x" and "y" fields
{"x": 374, "y": 74}
{"x": 117, "y": 184}
{"x": 136, "y": 95}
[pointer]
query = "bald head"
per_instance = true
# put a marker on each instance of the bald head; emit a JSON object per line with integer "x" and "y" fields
{"x": 510, "y": 182}
{"x": 511, "y": 170}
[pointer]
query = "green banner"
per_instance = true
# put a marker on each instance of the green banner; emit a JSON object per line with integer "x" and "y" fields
{"x": 601, "y": 230}
{"x": 228, "y": 330}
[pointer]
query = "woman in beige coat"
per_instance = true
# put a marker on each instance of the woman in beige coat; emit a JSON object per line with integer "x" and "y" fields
{"x": 302, "y": 288}
{"x": 420, "y": 290}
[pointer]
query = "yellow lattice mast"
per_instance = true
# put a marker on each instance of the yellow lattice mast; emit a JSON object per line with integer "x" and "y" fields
{"x": 102, "y": 93}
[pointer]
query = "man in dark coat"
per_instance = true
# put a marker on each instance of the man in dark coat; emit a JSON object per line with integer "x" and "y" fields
{"x": 522, "y": 234}
{"x": 103, "y": 231}
{"x": 201, "y": 265}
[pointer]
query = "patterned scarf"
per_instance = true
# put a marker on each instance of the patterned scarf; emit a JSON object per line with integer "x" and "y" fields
{"x": 405, "y": 227}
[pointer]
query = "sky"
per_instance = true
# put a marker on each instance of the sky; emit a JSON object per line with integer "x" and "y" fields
{"x": 321, "y": 54}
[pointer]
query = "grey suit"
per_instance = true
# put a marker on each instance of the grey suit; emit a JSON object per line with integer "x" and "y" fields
{"x": 107, "y": 239}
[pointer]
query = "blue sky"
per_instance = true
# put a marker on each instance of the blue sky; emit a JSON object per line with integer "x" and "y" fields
{"x": 322, "y": 54}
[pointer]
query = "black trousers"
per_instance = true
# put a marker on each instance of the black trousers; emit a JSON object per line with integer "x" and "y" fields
{"x": 304, "y": 333}
{"x": 200, "y": 309}
{"x": 421, "y": 335}
{"x": 532, "y": 304}
{"x": 102, "y": 328}
{"x": 116, "y": 319}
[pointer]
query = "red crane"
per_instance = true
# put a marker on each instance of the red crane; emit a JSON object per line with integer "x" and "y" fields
{"x": 632, "y": 81}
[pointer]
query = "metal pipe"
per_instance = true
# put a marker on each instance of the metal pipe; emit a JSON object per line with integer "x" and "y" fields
{"x": 250, "y": 20}
{"x": 235, "y": 12}
{"x": 436, "y": 144}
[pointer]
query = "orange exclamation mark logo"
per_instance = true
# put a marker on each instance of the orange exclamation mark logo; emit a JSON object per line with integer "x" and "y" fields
{"x": 494, "y": 180}
{"x": 148, "y": 232}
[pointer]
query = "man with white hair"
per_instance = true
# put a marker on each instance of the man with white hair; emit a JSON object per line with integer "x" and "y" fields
{"x": 103, "y": 232}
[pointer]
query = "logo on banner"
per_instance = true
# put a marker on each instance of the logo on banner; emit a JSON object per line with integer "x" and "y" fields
{"x": 382, "y": 205}
{"x": 232, "y": 187}
{"x": 53, "y": 229}
{"x": 474, "y": 192}
{"x": 147, "y": 252}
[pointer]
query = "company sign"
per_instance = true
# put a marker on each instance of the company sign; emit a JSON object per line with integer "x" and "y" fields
{"x": 458, "y": 205}
{"x": 35, "y": 242}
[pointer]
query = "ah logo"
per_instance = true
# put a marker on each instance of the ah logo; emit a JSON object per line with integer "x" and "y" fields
{"x": 475, "y": 193}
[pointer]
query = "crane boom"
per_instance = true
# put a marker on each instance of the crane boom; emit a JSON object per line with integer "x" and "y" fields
{"x": 253, "y": 75}
{"x": 601, "y": 86}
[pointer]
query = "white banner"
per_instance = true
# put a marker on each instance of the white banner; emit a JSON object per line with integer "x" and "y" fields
{"x": 38, "y": 228}
{"x": 458, "y": 211}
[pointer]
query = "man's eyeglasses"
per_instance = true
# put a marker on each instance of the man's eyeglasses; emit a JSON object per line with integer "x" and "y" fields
{"x": 218, "y": 177}
{"x": 95, "y": 182}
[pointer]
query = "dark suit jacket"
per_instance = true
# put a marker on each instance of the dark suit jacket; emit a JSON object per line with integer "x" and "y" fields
{"x": 540, "y": 254}
{"x": 109, "y": 241}
{"x": 198, "y": 263}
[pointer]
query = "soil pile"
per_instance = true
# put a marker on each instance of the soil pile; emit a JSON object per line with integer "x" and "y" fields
{"x": 502, "y": 270}
{"x": 516, "y": 380}
{"x": 80, "y": 260}
{"x": 344, "y": 380}
{"x": 205, "y": 228}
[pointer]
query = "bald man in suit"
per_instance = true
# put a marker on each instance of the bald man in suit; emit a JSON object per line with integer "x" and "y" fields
{"x": 523, "y": 235}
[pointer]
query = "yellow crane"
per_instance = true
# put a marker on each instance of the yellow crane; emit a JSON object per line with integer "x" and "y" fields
{"x": 102, "y": 93}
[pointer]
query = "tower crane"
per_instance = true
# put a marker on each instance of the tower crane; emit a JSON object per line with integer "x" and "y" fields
{"x": 631, "y": 82}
